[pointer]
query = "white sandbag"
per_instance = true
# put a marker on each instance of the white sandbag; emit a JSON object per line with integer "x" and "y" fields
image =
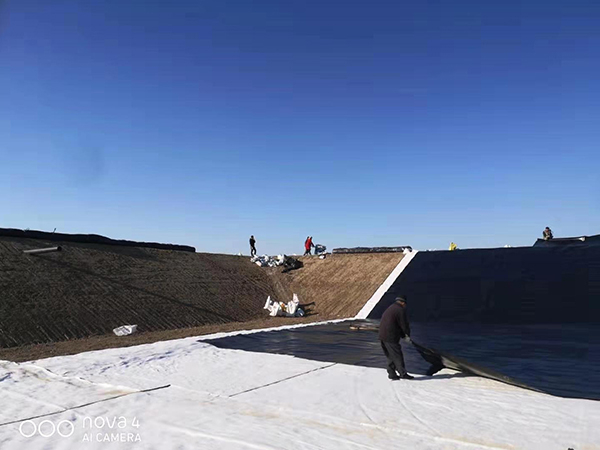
{"x": 275, "y": 309}
{"x": 268, "y": 303}
{"x": 291, "y": 308}
{"x": 125, "y": 330}
{"x": 268, "y": 261}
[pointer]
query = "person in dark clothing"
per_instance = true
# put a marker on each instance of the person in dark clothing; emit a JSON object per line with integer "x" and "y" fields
{"x": 393, "y": 327}
{"x": 252, "y": 246}
{"x": 547, "y": 234}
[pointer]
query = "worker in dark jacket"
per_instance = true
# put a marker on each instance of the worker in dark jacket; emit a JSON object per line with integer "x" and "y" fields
{"x": 393, "y": 327}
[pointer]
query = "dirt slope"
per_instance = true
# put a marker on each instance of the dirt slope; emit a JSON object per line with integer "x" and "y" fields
{"x": 89, "y": 289}
{"x": 69, "y": 301}
{"x": 339, "y": 285}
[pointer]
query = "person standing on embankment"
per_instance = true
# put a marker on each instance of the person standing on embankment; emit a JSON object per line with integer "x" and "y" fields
{"x": 252, "y": 246}
{"x": 308, "y": 244}
{"x": 393, "y": 327}
{"x": 547, "y": 234}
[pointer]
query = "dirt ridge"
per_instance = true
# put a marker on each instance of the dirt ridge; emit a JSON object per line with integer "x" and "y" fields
{"x": 83, "y": 292}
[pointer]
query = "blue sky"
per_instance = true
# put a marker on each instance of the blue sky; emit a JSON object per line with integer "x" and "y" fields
{"x": 359, "y": 123}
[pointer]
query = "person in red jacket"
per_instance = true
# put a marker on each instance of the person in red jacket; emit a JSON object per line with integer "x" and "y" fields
{"x": 308, "y": 244}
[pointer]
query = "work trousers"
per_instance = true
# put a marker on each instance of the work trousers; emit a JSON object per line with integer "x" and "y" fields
{"x": 395, "y": 358}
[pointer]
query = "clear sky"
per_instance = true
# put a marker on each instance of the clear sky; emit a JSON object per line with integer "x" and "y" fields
{"x": 357, "y": 122}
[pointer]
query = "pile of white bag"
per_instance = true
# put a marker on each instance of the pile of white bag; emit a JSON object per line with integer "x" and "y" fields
{"x": 280, "y": 309}
{"x": 268, "y": 261}
{"x": 125, "y": 330}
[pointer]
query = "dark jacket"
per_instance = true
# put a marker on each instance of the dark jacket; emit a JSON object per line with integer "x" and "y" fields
{"x": 394, "y": 324}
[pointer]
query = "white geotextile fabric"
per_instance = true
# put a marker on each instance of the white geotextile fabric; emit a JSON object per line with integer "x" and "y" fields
{"x": 231, "y": 399}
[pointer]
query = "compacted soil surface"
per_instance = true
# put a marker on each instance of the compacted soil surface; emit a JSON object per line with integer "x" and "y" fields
{"x": 70, "y": 301}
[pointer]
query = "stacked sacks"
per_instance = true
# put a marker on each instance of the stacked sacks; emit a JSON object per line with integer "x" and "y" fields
{"x": 287, "y": 262}
{"x": 373, "y": 249}
{"x": 268, "y": 261}
{"x": 292, "y": 308}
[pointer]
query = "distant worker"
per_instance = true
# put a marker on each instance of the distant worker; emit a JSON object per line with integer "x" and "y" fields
{"x": 252, "y": 246}
{"x": 308, "y": 244}
{"x": 453, "y": 246}
{"x": 547, "y": 233}
{"x": 393, "y": 327}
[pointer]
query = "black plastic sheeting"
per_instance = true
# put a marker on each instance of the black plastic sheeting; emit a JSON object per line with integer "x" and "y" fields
{"x": 89, "y": 239}
{"x": 559, "y": 360}
{"x": 398, "y": 249}
{"x": 525, "y": 316}
{"x": 440, "y": 360}
{"x": 587, "y": 241}
{"x": 529, "y": 285}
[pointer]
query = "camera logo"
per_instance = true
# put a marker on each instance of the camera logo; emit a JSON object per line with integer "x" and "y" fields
{"x": 46, "y": 428}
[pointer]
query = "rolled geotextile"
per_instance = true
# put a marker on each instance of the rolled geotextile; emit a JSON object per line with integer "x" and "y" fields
{"x": 43, "y": 250}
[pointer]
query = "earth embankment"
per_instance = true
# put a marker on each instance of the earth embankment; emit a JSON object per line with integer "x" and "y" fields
{"x": 70, "y": 301}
